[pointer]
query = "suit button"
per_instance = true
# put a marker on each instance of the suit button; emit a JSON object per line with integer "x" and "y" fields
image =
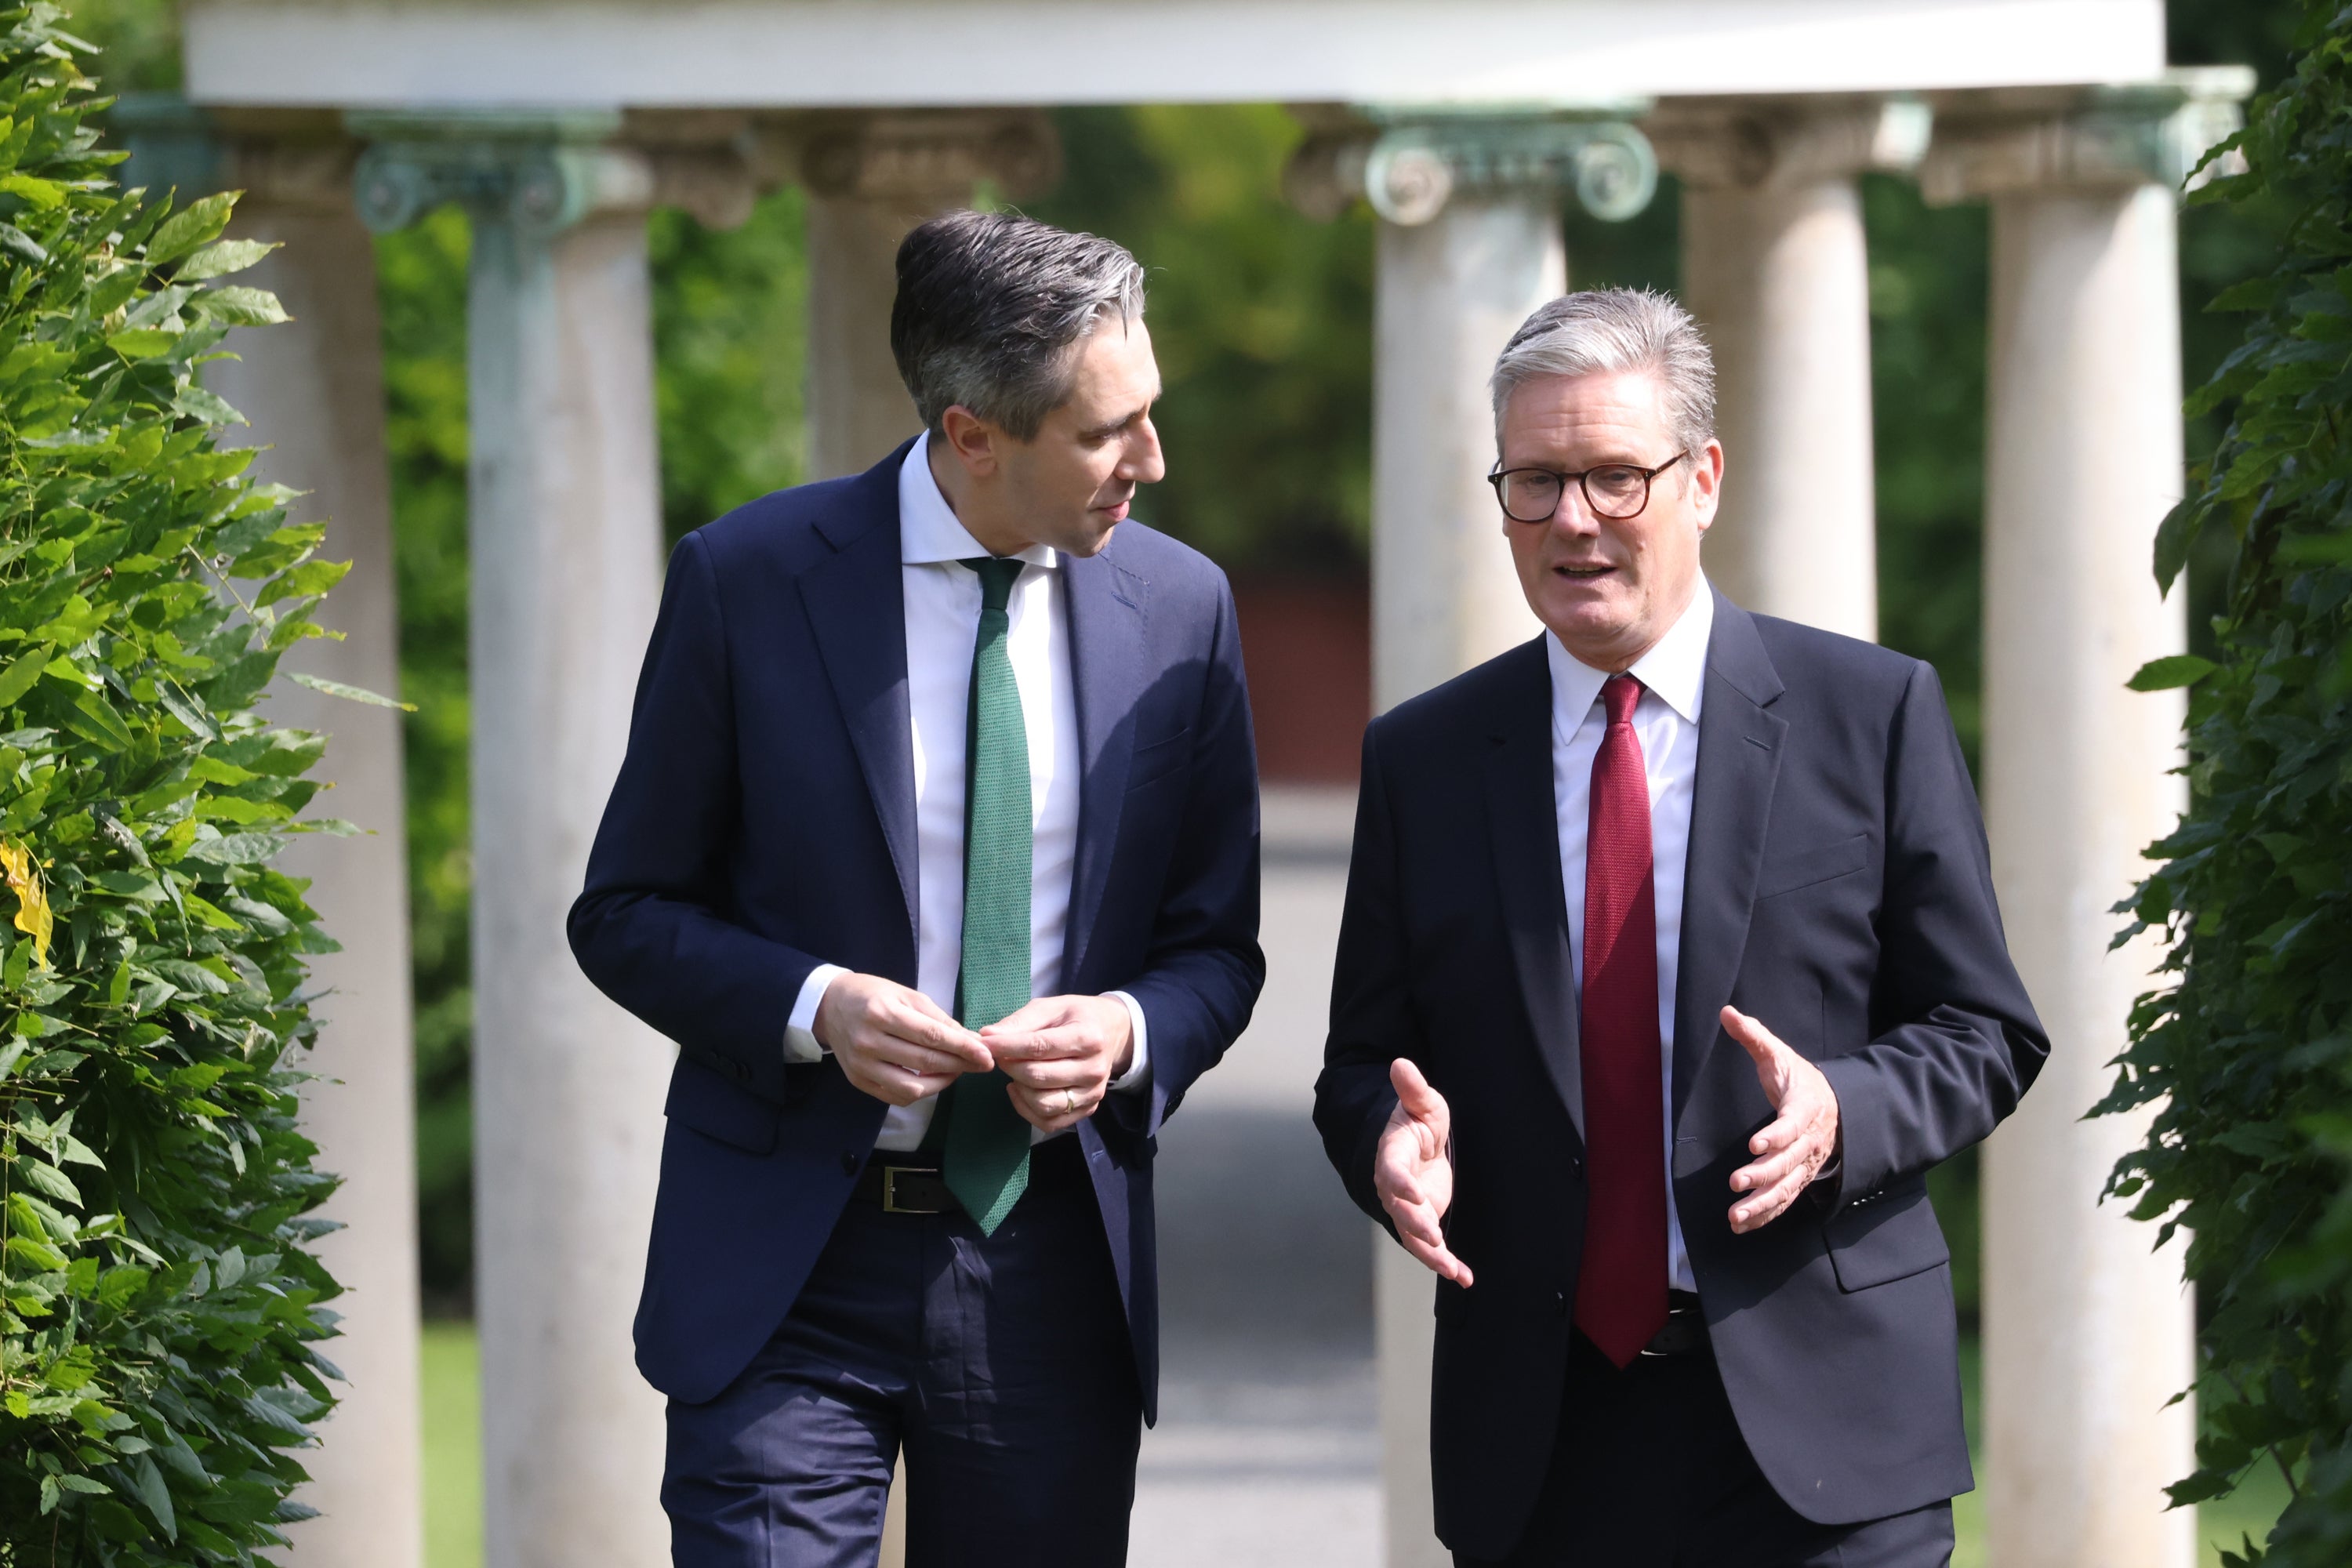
{"x": 848, "y": 1164}
{"x": 1559, "y": 1302}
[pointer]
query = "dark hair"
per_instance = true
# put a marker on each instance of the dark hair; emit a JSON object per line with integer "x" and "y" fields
{"x": 991, "y": 308}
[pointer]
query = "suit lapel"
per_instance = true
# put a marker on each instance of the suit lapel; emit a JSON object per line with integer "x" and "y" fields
{"x": 1523, "y": 819}
{"x": 857, "y": 605}
{"x": 1731, "y": 803}
{"x": 1106, "y": 604}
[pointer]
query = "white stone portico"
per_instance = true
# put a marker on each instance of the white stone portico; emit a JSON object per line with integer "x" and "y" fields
{"x": 1467, "y": 124}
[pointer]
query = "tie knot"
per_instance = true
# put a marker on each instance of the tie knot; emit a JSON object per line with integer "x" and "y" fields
{"x": 997, "y": 575}
{"x": 1621, "y": 694}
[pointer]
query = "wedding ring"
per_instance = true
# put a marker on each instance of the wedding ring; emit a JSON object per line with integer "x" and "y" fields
{"x": 1069, "y": 1100}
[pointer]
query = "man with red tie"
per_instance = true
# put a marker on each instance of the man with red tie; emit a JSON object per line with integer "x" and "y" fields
{"x": 1669, "y": 967}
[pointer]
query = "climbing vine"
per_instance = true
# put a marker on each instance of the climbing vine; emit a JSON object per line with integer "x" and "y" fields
{"x": 2247, "y": 1051}
{"x": 160, "y": 1314}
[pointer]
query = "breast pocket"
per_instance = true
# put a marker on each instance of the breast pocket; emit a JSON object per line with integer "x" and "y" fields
{"x": 1157, "y": 761}
{"x": 1816, "y": 864}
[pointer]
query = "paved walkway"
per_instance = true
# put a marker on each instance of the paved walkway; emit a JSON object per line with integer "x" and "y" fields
{"x": 1268, "y": 1448}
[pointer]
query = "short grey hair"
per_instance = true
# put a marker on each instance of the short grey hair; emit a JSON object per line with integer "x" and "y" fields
{"x": 991, "y": 310}
{"x": 1607, "y": 330}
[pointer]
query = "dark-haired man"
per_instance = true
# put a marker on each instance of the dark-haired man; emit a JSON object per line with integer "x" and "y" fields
{"x": 935, "y": 852}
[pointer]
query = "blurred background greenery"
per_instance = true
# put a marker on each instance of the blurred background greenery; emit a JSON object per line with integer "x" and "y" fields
{"x": 1262, "y": 319}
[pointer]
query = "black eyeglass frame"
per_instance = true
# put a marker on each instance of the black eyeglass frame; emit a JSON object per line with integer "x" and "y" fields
{"x": 1649, "y": 477}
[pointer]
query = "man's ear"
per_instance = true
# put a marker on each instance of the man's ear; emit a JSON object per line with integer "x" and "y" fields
{"x": 1706, "y": 482}
{"x": 974, "y": 440}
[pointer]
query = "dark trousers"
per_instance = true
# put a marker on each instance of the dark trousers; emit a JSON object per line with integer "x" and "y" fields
{"x": 1001, "y": 1364}
{"x": 1650, "y": 1472}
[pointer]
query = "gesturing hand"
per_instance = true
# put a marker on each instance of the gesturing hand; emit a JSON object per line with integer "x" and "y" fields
{"x": 893, "y": 1041}
{"x": 1413, "y": 1174}
{"x": 1793, "y": 1147}
{"x": 1061, "y": 1053}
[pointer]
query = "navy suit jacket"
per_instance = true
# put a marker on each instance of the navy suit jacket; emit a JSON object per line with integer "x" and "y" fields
{"x": 1839, "y": 889}
{"x": 764, "y": 823}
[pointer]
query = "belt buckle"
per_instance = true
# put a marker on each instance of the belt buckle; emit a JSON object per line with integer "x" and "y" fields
{"x": 890, "y": 1203}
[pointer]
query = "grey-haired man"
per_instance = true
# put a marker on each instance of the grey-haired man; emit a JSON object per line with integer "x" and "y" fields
{"x": 1670, "y": 965}
{"x": 935, "y": 852}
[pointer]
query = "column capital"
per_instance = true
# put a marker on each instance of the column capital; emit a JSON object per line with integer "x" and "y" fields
{"x": 915, "y": 161}
{"x": 1779, "y": 143}
{"x": 2084, "y": 139}
{"x": 284, "y": 160}
{"x": 539, "y": 172}
{"x": 1408, "y": 162}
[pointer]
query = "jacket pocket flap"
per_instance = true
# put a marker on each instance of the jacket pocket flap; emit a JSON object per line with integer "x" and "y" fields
{"x": 1876, "y": 1241}
{"x": 701, "y": 1100}
{"x": 1823, "y": 862}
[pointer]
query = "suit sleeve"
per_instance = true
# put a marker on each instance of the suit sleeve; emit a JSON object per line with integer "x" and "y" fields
{"x": 651, "y": 928}
{"x": 1959, "y": 1041}
{"x": 1203, "y": 971}
{"x": 1373, "y": 1021}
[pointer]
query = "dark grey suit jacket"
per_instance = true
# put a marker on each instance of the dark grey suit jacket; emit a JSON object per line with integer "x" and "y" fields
{"x": 1839, "y": 889}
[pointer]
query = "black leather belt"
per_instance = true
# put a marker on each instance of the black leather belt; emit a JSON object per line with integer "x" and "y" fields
{"x": 1685, "y": 1331}
{"x": 913, "y": 1183}
{"x": 905, "y": 1188}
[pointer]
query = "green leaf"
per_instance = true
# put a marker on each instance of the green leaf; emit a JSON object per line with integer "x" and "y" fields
{"x": 147, "y": 1484}
{"x": 2174, "y": 670}
{"x": 220, "y": 259}
{"x": 350, "y": 693}
{"x": 40, "y": 192}
{"x": 22, "y": 671}
{"x": 143, "y": 343}
{"x": 199, "y": 222}
{"x": 94, "y": 719}
{"x": 241, "y": 307}
{"x": 237, "y": 849}
{"x": 201, "y": 403}
{"x": 2174, "y": 536}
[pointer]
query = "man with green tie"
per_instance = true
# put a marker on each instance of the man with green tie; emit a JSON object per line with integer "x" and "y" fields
{"x": 935, "y": 852}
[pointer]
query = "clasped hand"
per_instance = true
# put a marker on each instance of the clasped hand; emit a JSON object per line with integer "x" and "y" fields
{"x": 1413, "y": 1170}
{"x": 896, "y": 1045}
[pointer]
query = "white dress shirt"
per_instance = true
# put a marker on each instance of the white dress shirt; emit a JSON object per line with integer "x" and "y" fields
{"x": 942, "y": 607}
{"x": 1673, "y": 675}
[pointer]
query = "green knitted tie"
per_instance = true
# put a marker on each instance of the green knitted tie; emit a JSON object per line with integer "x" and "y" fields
{"x": 986, "y": 1161}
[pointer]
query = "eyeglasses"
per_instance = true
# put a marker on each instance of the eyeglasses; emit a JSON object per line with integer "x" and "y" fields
{"x": 1614, "y": 490}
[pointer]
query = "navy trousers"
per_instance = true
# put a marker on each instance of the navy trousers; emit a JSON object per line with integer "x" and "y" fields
{"x": 1649, "y": 1470}
{"x": 1000, "y": 1364}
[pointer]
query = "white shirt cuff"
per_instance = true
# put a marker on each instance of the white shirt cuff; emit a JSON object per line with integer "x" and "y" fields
{"x": 1137, "y": 1076}
{"x": 800, "y": 1036}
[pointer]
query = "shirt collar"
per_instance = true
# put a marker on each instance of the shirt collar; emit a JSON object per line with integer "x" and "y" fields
{"x": 928, "y": 529}
{"x": 1675, "y": 667}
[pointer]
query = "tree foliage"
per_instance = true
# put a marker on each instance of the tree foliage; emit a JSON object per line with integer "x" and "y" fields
{"x": 159, "y": 1310}
{"x": 2248, "y": 1052}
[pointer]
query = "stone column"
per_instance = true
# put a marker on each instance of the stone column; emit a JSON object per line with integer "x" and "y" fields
{"x": 1775, "y": 268}
{"x": 2088, "y": 1331}
{"x": 869, "y": 179}
{"x": 566, "y": 566}
{"x": 1470, "y": 243}
{"x": 313, "y": 390}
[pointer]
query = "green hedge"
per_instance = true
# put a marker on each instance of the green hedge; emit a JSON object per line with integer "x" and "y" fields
{"x": 159, "y": 1313}
{"x": 2248, "y": 1053}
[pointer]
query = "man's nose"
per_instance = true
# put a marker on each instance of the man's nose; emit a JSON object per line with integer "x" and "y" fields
{"x": 1574, "y": 515}
{"x": 1145, "y": 464}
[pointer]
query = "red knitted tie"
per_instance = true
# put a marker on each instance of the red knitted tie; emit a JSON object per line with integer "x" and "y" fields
{"x": 1620, "y": 1289}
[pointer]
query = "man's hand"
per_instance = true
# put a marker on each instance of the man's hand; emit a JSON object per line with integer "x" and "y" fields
{"x": 1061, "y": 1053}
{"x": 892, "y": 1040}
{"x": 1413, "y": 1174}
{"x": 1794, "y": 1146}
